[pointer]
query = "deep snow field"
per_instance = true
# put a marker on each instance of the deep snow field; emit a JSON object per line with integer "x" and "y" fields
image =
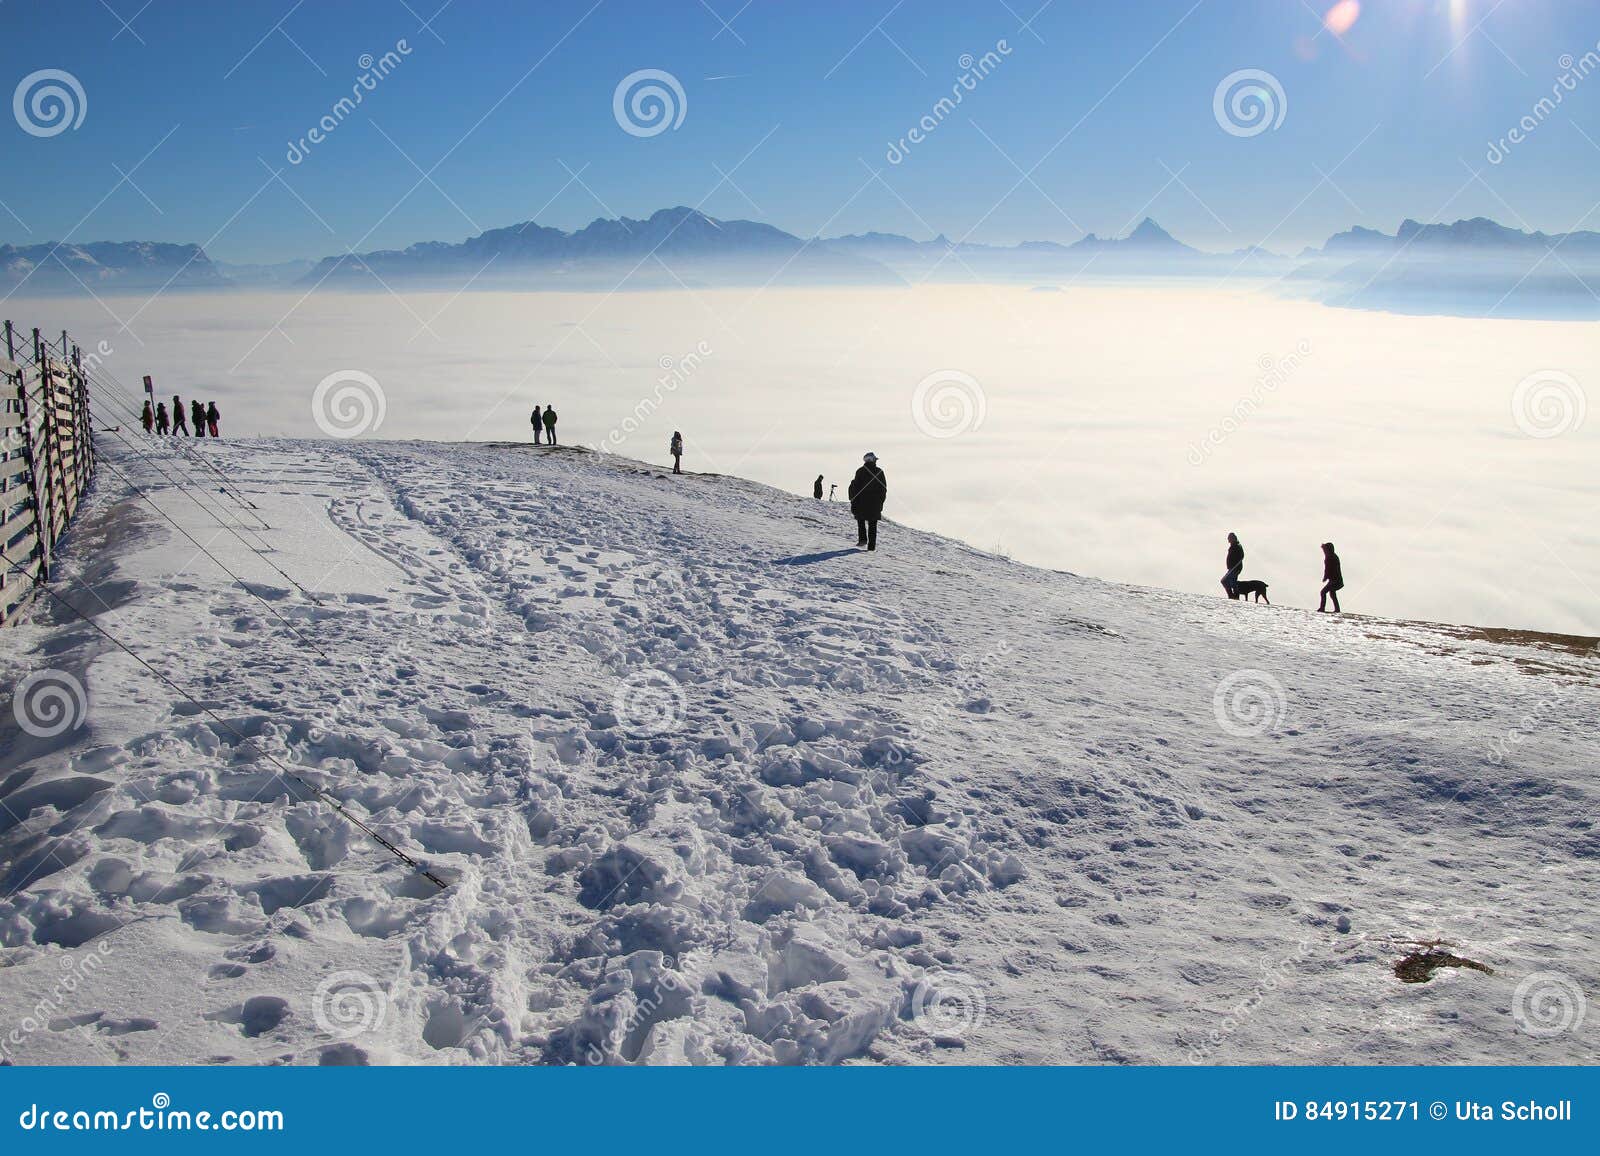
{"x": 708, "y": 785}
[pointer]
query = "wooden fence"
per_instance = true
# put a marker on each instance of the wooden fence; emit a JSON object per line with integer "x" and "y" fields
{"x": 46, "y": 458}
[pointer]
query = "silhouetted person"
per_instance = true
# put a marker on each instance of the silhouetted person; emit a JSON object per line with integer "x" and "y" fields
{"x": 1235, "y": 563}
{"x": 537, "y": 419}
{"x": 180, "y": 424}
{"x": 163, "y": 422}
{"x": 1332, "y": 579}
{"x": 197, "y": 415}
{"x": 868, "y": 491}
{"x": 550, "y": 424}
{"x": 677, "y": 452}
{"x": 816, "y": 490}
{"x": 147, "y": 418}
{"x": 213, "y": 417}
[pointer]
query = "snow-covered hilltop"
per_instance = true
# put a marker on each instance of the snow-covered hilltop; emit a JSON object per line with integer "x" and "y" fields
{"x": 707, "y": 784}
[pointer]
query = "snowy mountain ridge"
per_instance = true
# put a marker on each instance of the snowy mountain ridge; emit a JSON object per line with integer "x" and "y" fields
{"x": 708, "y": 785}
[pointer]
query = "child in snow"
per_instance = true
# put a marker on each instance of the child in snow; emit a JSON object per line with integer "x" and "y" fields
{"x": 676, "y": 449}
{"x": 163, "y": 422}
{"x": 213, "y": 416}
{"x": 147, "y": 418}
{"x": 1332, "y": 579}
{"x": 197, "y": 414}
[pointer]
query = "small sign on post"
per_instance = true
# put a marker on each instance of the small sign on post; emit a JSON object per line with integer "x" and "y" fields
{"x": 149, "y": 388}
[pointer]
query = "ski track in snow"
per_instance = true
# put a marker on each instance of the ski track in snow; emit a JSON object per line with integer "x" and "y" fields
{"x": 709, "y": 786}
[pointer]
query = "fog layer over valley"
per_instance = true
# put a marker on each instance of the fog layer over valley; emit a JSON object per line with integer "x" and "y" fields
{"x": 1117, "y": 430}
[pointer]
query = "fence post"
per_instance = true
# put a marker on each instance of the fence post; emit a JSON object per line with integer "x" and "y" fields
{"x": 41, "y": 545}
{"x": 11, "y": 348}
{"x": 87, "y": 433}
{"x": 48, "y": 483}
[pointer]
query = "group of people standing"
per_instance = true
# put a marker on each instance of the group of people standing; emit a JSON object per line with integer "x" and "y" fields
{"x": 205, "y": 418}
{"x": 544, "y": 421}
{"x": 1332, "y": 573}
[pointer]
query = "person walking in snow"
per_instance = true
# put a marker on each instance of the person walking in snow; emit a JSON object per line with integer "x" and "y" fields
{"x": 147, "y": 418}
{"x": 816, "y": 490}
{"x": 538, "y": 417}
{"x": 213, "y": 417}
{"x": 676, "y": 448}
{"x": 1332, "y": 579}
{"x": 180, "y": 424}
{"x": 1235, "y": 563}
{"x": 163, "y": 422}
{"x": 868, "y": 491}
{"x": 197, "y": 415}
{"x": 550, "y": 424}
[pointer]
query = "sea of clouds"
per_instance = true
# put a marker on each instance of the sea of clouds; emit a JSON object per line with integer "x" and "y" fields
{"x": 1116, "y": 431}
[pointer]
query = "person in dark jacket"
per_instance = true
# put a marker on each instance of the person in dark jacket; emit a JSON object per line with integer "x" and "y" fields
{"x": 537, "y": 419}
{"x": 676, "y": 449}
{"x": 163, "y": 422}
{"x": 868, "y": 491}
{"x": 1332, "y": 579}
{"x": 1234, "y": 564}
{"x": 550, "y": 424}
{"x": 213, "y": 418}
{"x": 816, "y": 490}
{"x": 197, "y": 415}
{"x": 148, "y": 418}
{"x": 180, "y": 423}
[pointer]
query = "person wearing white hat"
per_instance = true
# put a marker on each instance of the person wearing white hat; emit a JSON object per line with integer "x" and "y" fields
{"x": 868, "y": 491}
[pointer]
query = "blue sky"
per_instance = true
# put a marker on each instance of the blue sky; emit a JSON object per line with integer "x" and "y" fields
{"x": 789, "y": 111}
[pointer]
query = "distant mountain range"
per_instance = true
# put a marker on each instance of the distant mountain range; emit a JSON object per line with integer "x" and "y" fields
{"x": 1474, "y": 265}
{"x": 1477, "y": 235}
{"x": 97, "y": 265}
